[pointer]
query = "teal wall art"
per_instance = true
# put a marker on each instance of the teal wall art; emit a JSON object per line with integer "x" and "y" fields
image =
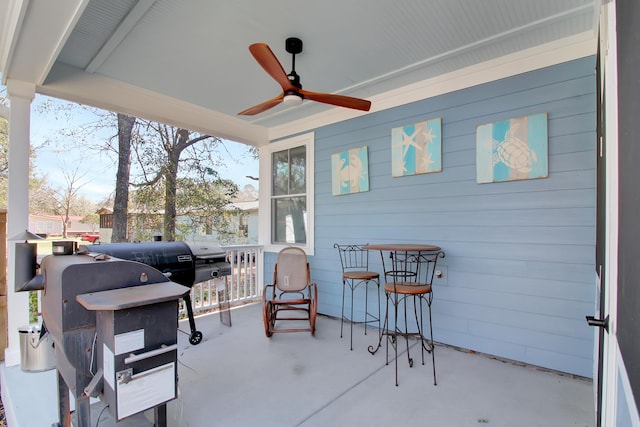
{"x": 350, "y": 171}
{"x": 513, "y": 149}
{"x": 417, "y": 148}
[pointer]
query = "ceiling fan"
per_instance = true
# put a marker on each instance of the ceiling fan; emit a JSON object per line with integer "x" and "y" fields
{"x": 292, "y": 92}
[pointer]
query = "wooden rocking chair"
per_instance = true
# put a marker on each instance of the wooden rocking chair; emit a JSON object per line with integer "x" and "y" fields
{"x": 291, "y": 296}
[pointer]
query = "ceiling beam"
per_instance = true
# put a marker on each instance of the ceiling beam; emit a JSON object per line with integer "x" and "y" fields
{"x": 15, "y": 13}
{"x": 36, "y": 33}
{"x": 127, "y": 24}
{"x": 76, "y": 85}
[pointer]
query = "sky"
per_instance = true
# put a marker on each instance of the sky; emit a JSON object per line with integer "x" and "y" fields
{"x": 99, "y": 171}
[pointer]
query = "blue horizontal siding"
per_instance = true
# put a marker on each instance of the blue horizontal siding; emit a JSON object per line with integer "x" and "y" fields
{"x": 519, "y": 255}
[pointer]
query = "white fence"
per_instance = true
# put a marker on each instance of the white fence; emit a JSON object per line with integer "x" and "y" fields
{"x": 244, "y": 284}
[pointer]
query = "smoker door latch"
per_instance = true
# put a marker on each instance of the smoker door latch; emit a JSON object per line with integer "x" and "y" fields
{"x": 124, "y": 376}
{"x": 601, "y": 323}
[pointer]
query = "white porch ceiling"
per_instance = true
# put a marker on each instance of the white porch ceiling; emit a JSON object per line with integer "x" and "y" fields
{"x": 186, "y": 62}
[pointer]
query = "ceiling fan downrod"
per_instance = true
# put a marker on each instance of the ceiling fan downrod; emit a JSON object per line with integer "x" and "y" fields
{"x": 293, "y": 45}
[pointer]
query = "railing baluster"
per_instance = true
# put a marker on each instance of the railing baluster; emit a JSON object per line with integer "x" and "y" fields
{"x": 241, "y": 284}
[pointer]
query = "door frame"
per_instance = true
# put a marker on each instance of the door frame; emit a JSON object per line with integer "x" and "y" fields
{"x": 609, "y": 74}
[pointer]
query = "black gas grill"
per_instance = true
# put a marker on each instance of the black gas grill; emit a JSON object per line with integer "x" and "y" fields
{"x": 186, "y": 264}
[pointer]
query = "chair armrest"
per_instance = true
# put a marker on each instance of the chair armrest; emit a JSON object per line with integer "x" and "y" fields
{"x": 266, "y": 289}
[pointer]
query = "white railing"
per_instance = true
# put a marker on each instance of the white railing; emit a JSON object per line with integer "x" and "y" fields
{"x": 244, "y": 284}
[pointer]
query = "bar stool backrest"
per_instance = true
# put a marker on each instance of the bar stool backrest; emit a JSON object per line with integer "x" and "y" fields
{"x": 353, "y": 257}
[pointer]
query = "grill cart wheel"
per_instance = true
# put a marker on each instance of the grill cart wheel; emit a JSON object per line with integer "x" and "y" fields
{"x": 195, "y": 338}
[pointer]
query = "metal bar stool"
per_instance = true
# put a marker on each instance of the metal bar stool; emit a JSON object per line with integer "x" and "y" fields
{"x": 409, "y": 278}
{"x": 355, "y": 272}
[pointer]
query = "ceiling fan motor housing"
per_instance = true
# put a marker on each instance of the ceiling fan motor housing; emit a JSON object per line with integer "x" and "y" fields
{"x": 293, "y": 45}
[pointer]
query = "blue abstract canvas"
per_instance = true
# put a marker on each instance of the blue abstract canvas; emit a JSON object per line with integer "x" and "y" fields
{"x": 416, "y": 148}
{"x": 350, "y": 171}
{"x": 513, "y": 149}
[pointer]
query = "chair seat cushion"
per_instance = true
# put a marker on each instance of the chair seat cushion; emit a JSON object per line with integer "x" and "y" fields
{"x": 409, "y": 288}
{"x": 360, "y": 275}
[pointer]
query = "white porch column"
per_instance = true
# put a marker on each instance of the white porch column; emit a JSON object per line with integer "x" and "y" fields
{"x": 20, "y": 96}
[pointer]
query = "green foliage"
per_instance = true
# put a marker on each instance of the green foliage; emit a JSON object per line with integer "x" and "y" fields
{"x": 202, "y": 207}
{"x": 33, "y": 307}
{"x": 163, "y": 158}
{"x": 91, "y": 218}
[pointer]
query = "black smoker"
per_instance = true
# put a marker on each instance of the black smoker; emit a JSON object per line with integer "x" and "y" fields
{"x": 186, "y": 264}
{"x": 114, "y": 324}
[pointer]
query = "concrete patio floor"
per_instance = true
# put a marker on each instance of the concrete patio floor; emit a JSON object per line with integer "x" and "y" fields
{"x": 238, "y": 377}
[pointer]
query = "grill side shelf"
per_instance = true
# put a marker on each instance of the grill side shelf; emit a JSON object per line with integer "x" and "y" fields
{"x": 134, "y": 296}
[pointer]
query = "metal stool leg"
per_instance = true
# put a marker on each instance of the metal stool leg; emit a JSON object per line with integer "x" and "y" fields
{"x": 371, "y": 317}
{"x": 378, "y": 293}
{"x": 366, "y": 305}
{"x": 396, "y": 330}
{"x": 342, "y": 314}
{"x": 384, "y": 328}
{"x": 351, "y": 318}
{"x": 406, "y": 329}
{"x": 431, "y": 349}
{"x": 433, "y": 346}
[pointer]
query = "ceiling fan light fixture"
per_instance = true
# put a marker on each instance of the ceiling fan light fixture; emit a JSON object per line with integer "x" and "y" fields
{"x": 292, "y": 100}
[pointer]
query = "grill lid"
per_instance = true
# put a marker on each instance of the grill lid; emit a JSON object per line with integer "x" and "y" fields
{"x": 206, "y": 251}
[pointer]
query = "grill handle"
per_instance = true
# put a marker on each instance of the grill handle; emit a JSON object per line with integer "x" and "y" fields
{"x": 137, "y": 357}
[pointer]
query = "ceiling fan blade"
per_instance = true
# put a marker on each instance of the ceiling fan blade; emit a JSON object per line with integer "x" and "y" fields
{"x": 339, "y": 100}
{"x": 267, "y": 60}
{"x": 264, "y": 106}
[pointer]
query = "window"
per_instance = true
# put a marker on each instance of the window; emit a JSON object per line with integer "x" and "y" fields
{"x": 208, "y": 225}
{"x": 289, "y": 195}
{"x": 106, "y": 220}
{"x": 243, "y": 225}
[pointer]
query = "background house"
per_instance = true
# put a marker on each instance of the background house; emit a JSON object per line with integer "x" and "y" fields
{"x": 45, "y": 225}
{"x": 144, "y": 226}
{"x": 247, "y": 221}
{"x": 52, "y": 225}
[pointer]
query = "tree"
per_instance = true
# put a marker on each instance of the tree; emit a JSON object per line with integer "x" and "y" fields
{"x": 92, "y": 219}
{"x": 38, "y": 186}
{"x": 205, "y": 206}
{"x": 63, "y": 201}
{"x": 66, "y": 199}
{"x": 121, "y": 200}
{"x": 248, "y": 193}
{"x": 160, "y": 160}
{"x": 202, "y": 206}
{"x": 160, "y": 164}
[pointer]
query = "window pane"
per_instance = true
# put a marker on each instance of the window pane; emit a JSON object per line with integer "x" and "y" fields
{"x": 297, "y": 182}
{"x": 290, "y": 220}
{"x": 280, "y": 173}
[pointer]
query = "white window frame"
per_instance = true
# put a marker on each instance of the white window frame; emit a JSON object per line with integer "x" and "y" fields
{"x": 266, "y": 184}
